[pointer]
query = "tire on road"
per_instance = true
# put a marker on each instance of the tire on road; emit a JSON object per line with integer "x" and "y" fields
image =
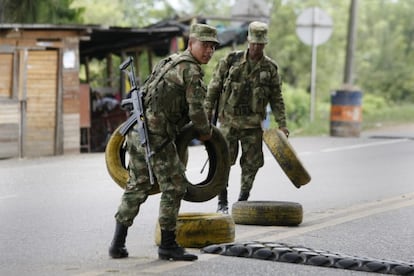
{"x": 219, "y": 164}
{"x": 268, "y": 213}
{"x": 286, "y": 156}
{"x": 196, "y": 230}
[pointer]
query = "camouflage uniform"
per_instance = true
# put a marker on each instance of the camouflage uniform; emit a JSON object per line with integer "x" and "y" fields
{"x": 174, "y": 95}
{"x": 243, "y": 89}
{"x": 177, "y": 99}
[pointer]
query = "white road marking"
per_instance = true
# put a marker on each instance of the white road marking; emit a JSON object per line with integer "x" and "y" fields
{"x": 342, "y": 216}
{"x": 358, "y": 146}
{"x": 351, "y": 147}
{"x": 7, "y": 197}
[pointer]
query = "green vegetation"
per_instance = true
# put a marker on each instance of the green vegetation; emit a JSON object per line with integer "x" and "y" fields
{"x": 39, "y": 11}
{"x": 384, "y": 48}
{"x": 391, "y": 115}
{"x": 376, "y": 112}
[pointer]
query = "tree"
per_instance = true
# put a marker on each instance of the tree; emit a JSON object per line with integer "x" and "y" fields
{"x": 39, "y": 11}
{"x": 386, "y": 49}
{"x": 124, "y": 13}
{"x": 141, "y": 13}
{"x": 294, "y": 57}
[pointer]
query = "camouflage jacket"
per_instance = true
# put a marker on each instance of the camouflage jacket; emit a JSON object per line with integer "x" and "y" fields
{"x": 175, "y": 97}
{"x": 244, "y": 92}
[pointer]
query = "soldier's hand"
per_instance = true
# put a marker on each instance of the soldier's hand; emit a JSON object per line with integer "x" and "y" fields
{"x": 285, "y": 131}
{"x": 206, "y": 137}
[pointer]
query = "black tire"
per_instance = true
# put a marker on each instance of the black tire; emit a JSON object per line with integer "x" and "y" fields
{"x": 286, "y": 156}
{"x": 269, "y": 213}
{"x": 219, "y": 164}
{"x": 196, "y": 230}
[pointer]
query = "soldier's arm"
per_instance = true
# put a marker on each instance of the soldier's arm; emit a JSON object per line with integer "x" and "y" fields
{"x": 195, "y": 95}
{"x": 215, "y": 86}
{"x": 276, "y": 99}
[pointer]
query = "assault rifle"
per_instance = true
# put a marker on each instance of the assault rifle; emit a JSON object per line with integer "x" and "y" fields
{"x": 138, "y": 113}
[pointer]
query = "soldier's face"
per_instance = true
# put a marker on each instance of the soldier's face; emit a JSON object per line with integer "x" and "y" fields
{"x": 202, "y": 51}
{"x": 256, "y": 50}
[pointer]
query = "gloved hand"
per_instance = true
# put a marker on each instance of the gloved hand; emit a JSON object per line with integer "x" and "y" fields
{"x": 285, "y": 131}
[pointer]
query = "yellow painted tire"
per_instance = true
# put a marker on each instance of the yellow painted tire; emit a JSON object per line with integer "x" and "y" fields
{"x": 268, "y": 213}
{"x": 219, "y": 164}
{"x": 115, "y": 161}
{"x": 196, "y": 230}
{"x": 286, "y": 156}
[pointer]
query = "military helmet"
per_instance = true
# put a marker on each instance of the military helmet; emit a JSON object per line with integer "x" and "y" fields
{"x": 204, "y": 32}
{"x": 257, "y": 32}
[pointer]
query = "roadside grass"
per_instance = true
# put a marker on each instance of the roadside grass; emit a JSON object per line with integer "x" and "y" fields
{"x": 385, "y": 116}
{"x": 394, "y": 115}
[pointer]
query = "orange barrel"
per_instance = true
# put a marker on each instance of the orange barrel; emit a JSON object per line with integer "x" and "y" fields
{"x": 346, "y": 113}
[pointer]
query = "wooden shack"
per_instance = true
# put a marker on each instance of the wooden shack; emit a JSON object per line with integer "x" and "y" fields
{"x": 42, "y": 104}
{"x": 39, "y": 90}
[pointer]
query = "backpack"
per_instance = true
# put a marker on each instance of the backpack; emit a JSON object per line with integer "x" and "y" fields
{"x": 164, "y": 98}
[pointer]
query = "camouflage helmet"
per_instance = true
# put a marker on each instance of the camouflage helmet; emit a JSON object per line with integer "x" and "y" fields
{"x": 204, "y": 32}
{"x": 257, "y": 32}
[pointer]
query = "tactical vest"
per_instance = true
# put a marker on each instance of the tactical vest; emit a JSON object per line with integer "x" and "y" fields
{"x": 164, "y": 99}
{"x": 241, "y": 95}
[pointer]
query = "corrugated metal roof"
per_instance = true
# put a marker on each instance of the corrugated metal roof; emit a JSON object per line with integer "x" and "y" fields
{"x": 97, "y": 41}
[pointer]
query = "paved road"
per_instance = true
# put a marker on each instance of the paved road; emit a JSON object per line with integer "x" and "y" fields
{"x": 57, "y": 213}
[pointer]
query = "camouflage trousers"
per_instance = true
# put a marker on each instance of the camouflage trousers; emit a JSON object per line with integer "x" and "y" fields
{"x": 252, "y": 153}
{"x": 168, "y": 171}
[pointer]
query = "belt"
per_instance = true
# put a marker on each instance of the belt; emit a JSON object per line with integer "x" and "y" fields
{"x": 242, "y": 110}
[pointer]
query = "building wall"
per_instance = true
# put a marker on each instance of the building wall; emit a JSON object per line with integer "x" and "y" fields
{"x": 9, "y": 108}
{"x": 71, "y": 96}
{"x": 39, "y": 93}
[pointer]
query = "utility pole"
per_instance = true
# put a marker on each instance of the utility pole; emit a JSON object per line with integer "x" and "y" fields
{"x": 346, "y": 111}
{"x": 350, "y": 47}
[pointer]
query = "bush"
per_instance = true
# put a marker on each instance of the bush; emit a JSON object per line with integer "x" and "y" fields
{"x": 297, "y": 106}
{"x": 372, "y": 104}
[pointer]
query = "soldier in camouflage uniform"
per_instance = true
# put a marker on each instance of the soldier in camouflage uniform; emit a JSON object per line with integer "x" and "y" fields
{"x": 173, "y": 97}
{"x": 244, "y": 83}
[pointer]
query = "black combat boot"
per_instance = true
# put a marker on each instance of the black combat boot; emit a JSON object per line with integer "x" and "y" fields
{"x": 117, "y": 248}
{"x": 170, "y": 250}
{"x": 243, "y": 196}
{"x": 222, "y": 202}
